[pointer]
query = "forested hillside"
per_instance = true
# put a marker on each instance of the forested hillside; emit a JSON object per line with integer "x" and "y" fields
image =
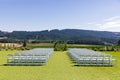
{"x": 73, "y": 36}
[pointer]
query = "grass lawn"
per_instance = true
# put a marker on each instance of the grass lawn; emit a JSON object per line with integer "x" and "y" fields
{"x": 59, "y": 67}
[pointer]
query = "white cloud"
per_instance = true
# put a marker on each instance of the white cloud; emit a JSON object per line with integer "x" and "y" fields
{"x": 112, "y": 18}
{"x": 110, "y": 24}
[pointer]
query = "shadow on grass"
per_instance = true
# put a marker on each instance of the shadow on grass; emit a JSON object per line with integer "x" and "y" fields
{"x": 92, "y": 65}
{"x": 21, "y": 65}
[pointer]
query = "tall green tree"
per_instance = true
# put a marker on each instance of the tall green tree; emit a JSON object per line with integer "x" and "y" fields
{"x": 60, "y": 46}
{"x": 24, "y": 43}
{"x": 119, "y": 42}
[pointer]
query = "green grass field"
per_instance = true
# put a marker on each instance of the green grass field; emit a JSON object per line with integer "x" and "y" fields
{"x": 59, "y": 67}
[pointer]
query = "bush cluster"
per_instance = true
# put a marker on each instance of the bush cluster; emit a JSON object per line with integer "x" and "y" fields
{"x": 60, "y": 46}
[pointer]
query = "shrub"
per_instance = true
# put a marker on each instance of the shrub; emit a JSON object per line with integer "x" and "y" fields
{"x": 60, "y": 46}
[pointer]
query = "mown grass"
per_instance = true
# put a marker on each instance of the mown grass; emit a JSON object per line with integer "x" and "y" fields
{"x": 59, "y": 67}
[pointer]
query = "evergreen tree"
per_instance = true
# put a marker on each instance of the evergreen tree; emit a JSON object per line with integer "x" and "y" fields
{"x": 24, "y": 43}
{"x": 119, "y": 42}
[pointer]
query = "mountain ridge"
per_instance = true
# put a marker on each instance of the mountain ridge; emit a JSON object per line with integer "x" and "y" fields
{"x": 74, "y": 35}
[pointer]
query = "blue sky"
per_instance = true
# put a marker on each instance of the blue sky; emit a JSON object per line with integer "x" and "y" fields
{"x": 37, "y": 15}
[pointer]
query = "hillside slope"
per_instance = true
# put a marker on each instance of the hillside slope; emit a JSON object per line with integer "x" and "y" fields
{"x": 72, "y": 35}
